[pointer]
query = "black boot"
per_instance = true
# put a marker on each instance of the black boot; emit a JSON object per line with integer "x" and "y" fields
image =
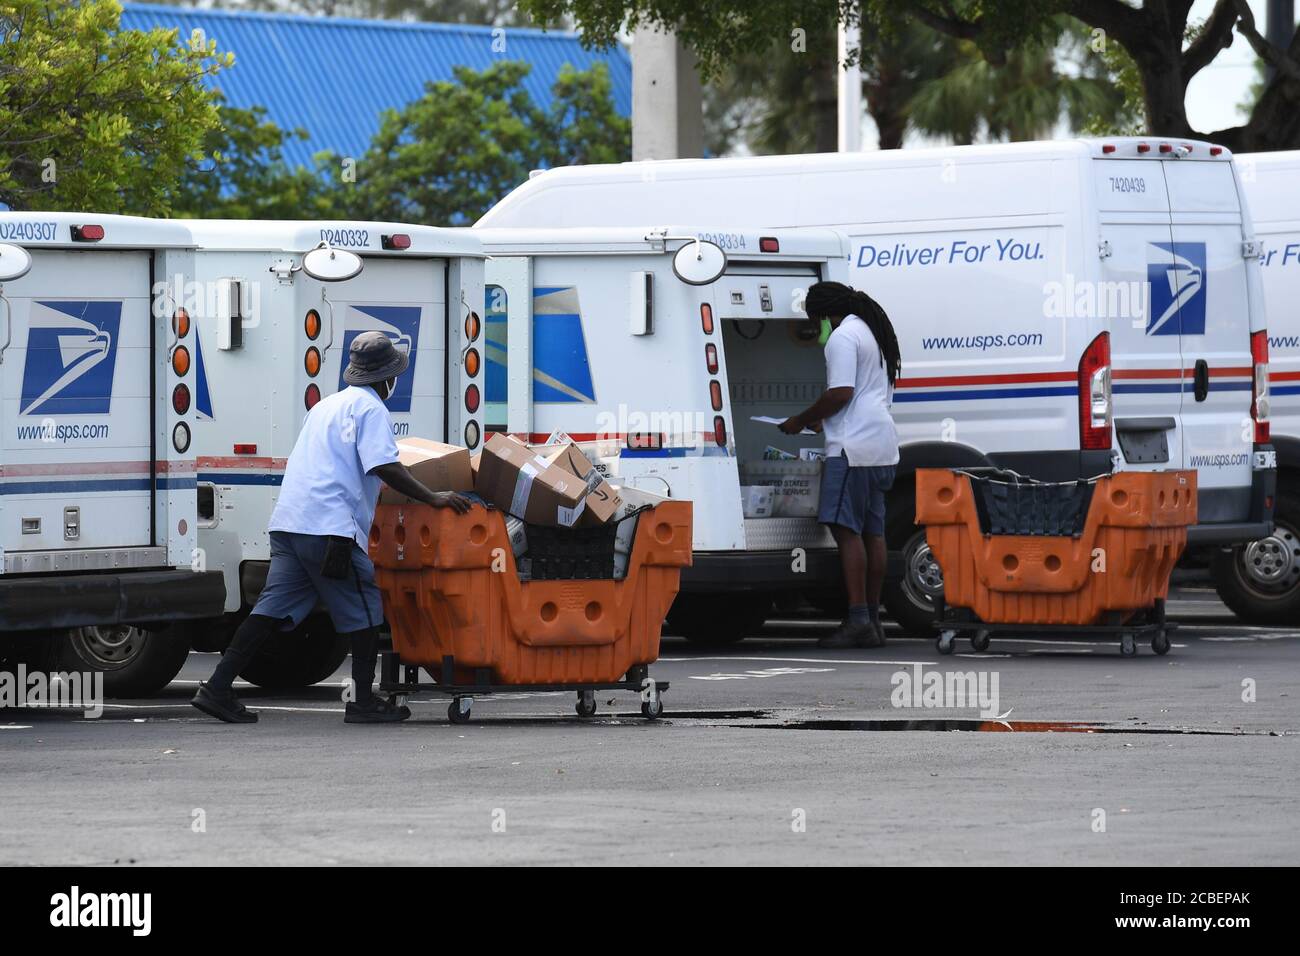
{"x": 368, "y": 708}
{"x": 215, "y": 697}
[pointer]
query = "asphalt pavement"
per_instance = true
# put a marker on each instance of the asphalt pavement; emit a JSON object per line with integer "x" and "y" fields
{"x": 770, "y": 751}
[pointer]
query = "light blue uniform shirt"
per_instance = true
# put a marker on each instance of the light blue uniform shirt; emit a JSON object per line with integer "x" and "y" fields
{"x": 326, "y": 489}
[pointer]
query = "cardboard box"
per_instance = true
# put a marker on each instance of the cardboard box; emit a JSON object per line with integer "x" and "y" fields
{"x": 527, "y": 485}
{"x": 439, "y": 466}
{"x": 602, "y": 500}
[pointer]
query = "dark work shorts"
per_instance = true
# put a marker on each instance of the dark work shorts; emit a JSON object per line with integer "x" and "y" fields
{"x": 854, "y": 497}
{"x": 294, "y": 585}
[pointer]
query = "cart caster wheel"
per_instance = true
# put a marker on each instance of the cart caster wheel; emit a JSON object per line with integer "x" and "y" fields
{"x": 458, "y": 711}
{"x": 1128, "y": 646}
{"x": 652, "y": 709}
{"x": 944, "y": 644}
{"x": 980, "y": 641}
{"x": 1160, "y": 643}
{"x": 586, "y": 705}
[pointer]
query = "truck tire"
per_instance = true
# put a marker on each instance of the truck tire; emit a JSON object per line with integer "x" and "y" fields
{"x": 910, "y": 598}
{"x": 299, "y": 658}
{"x": 135, "y": 662}
{"x": 713, "y": 620}
{"x": 1260, "y": 581}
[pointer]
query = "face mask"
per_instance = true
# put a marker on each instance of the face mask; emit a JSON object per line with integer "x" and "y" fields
{"x": 825, "y": 333}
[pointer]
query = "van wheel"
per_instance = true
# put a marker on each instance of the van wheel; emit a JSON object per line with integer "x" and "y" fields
{"x": 299, "y": 658}
{"x": 135, "y": 662}
{"x": 1260, "y": 581}
{"x": 910, "y": 600}
{"x": 715, "y": 619}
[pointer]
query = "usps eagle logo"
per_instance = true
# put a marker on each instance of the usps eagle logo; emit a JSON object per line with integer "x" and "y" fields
{"x": 1176, "y": 282}
{"x": 71, "y": 352}
{"x": 401, "y": 323}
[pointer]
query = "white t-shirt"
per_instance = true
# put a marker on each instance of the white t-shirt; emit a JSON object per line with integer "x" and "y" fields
{"x": 326, "y": 489}
{"x": 863, "y": 429}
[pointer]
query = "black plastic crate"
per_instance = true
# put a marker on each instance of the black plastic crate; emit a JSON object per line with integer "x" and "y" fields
{"x": 571, "y": 554}
{"x": 1009, "y": 503}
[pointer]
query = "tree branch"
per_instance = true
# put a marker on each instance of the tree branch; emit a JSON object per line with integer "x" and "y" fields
{"x": 1215, "y": 36}
{"x": 1125, "y": 23}
{"x": 1265, "y": 50}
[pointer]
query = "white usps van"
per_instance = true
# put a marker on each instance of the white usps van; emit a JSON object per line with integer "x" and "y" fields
{"x": 97, "y": 483}
{"x": 608, "y": 336}
{"x": 281, "y": 303}
{"x": 1063, "y": 308}
{"x": 1263, "y": 577}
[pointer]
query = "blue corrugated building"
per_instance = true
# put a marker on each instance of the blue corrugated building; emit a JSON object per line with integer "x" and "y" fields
{"x": 333, "y": 77}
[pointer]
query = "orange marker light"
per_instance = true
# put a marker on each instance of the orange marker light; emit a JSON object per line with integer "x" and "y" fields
{"x": 311, "y": 324}
{"x": 473, "y": 326}
{"x": 311, "y": 361}
{"x": 181, "y": 323}
{"x": 181, "y": 360}
{"x": 471, "y": 362}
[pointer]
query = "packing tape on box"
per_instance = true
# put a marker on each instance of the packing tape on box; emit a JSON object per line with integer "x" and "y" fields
{"x": 523, "y": 488}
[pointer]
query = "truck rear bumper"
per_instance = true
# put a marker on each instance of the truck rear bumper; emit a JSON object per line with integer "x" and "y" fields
{"x": 129, "y": 597}
{"x": 1258, "y": 521}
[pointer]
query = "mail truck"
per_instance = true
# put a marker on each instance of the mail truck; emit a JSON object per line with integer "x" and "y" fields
{"x": 277, "y": 305}
{"x": 98, "y": 520}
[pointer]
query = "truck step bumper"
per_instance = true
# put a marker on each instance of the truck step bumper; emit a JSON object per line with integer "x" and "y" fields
{"x": 130, "y": 597}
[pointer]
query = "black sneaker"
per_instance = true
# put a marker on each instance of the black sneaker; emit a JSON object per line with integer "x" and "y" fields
{"x": 376, "y": 710}
{"x": 225, "y": 706}
{"x": 876, "y": 636}
{"x": 847, "y": 635}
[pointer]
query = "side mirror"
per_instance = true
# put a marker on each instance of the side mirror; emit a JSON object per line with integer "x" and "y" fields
{"x": 15, "y": 262}
{"x": 327, "y": 264}
{"x": 699, "y": 262}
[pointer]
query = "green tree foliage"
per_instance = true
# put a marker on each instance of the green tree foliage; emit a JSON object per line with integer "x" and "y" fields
{"x": 1166, "y": 48}
{"x": 245, "y": 175}
{"x": 93, "y": 117}
{"x": 445, "y": 158}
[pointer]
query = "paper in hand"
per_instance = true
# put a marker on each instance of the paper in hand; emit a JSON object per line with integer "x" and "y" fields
{"x": 768, "y": 420}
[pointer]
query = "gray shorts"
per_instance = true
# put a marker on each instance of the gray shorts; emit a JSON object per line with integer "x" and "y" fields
{"x": 295, "y": 586}
{"x": 854, "y": 497}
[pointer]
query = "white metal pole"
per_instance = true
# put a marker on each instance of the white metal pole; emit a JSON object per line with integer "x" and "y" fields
{"x": 850, "y": 94}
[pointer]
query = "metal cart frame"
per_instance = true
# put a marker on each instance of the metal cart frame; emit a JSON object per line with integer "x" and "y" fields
{"x": 952, "y": 622}
{"x": 400, "y": 680}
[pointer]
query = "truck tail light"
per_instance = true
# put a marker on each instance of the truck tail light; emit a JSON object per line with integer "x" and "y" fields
{"x": 715, "y": 395}
{"x": 706, "y": 318}
{"x": 181, "y": 437}
{"x": 769, "y": 244}
{"x": 1094, "y": 395}
{"x": 471, "y": 399}
{"x": 472, "y": 435}
{"x": 398, "y": 240}
{"x": 720, "y": 431}
{"x": 87, "y": 233}
{"x": 711, "y": 358}
{"x": 181, "y": 399}
{"x": 311, "y": 396}
{"x": 1259, "y": 384}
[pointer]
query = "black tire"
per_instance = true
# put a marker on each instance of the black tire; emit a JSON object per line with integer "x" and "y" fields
{"x": 909, "y": 599}
{"x": 300, "y": 658}
{"x": 135, "y": 662}
{"x": 713, "y": 620}
{"x": 1271, "y": 594}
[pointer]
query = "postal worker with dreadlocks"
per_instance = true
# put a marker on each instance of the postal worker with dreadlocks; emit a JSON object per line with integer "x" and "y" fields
{"x": 862, "y": 362}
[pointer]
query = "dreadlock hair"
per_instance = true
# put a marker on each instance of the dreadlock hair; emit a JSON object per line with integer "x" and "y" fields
{"x": 835, "y": 298}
